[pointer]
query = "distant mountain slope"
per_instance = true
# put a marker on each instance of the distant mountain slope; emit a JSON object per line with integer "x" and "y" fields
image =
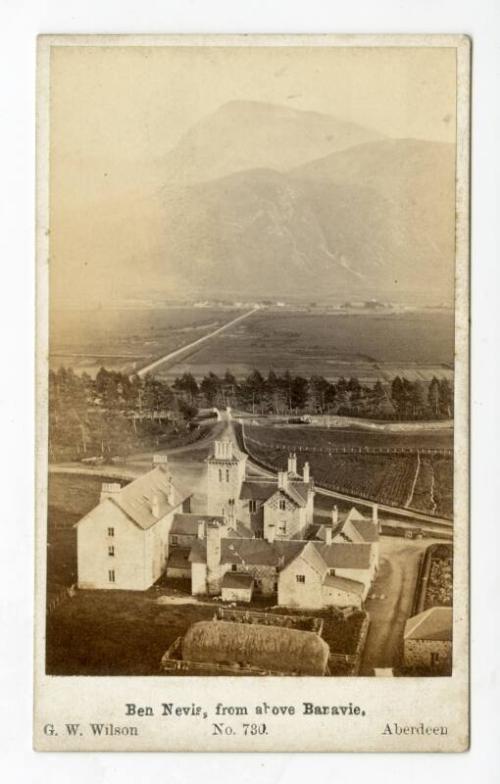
{"x": 244, "y": 135}
{"x": 373, "y": 220}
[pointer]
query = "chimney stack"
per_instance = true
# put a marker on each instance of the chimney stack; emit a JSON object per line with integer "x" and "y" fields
{"x": 292, "y": 463}
{"x": 213, "y": 533}
{"x": 201, "y": 529}
{"x": 328, "y": 535}
{"x": 375, "y": 515}
{"x": 335, "y": 515}
{"x": 306, "y": 473}
{"x": 282, "y": 480}
{"x": 160, "y": 461}
{"x": 109, "y": 489}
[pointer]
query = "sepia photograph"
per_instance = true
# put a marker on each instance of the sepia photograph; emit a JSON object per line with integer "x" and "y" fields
{"x": 253, "y": 363}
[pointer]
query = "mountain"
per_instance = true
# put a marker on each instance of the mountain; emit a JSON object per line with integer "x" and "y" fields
{"x": 243, "y": 135}
{"x": 376, "y": 219}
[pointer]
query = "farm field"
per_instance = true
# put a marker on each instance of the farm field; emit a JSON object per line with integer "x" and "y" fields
{"x": 366, "y": 345}
{"x": 369, "y": 346}
{"x": 388, "y": 478}
{"x": 126, "y": 339}
{"x": 351, "y": 436}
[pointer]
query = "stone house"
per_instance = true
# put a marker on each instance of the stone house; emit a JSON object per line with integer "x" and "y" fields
{"x": 428, "y": 639}
{"x": 327, "y": 575}
{"x": 123, "y": 543}
{"x": 282, "y": 509}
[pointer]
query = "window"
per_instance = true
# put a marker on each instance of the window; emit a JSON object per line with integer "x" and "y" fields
{"x": 300, "y": 578}
{"x": 282, "y": 528}
{"x": 111, "y": 550}
{"x": 220, "y": 474}
{"x": 233, "y": 567}
{"x": 111, "y": 575}
{"x": 231, "y": 502}
{"x": 227, "y": 474}
{"x": 111, "y": 531}
{"x": 252, "y": 506}
{"x": 331, "y": 572}
{"x": 174, "y": 539}
{"x": 282, "y": 505}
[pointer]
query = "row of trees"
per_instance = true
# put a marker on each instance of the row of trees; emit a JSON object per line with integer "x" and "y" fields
{"x": 103, "y": 413}
{"x": 294, "y": 394}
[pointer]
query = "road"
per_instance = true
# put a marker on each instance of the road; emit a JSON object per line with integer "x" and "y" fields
{"x": 179, "y": 352}
{"x": 392, "y": 603}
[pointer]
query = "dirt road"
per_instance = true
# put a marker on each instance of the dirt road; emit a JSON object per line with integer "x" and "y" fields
{"x": 396, "y": 582}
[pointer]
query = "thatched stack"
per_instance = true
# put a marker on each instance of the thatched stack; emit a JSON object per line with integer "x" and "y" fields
{"x": 270, "y": 648}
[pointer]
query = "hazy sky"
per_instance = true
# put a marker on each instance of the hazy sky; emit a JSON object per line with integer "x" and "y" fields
{"x": 116, "y": 111}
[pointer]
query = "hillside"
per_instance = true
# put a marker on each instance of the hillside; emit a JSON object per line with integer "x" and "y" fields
{"x": 372, "y": 220}
{"x": 243, "y": 135}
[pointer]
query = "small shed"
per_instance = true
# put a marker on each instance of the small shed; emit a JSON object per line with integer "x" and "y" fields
{"x": 236, "y": 587}
{"x": 428, "y": 638}
{"x": 178, "y": 564}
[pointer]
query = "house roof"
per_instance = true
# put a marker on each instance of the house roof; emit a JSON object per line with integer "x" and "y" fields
{"x": 135, "y": 500}
{"x": 252, "y": 552}
{"x": 259, "y": 491}
{"x": 344, "y": 584}
{"x": 433, "y": 624}
{"x": 178, "y": 558}
{"x": 343, "y": 555}
{"x": 290, "y": 492}
{"x": 310, "y": 554}
{"x": 187, "y": 524}
{"x": 237, "y": 580}
{"x": 367, "y": 530}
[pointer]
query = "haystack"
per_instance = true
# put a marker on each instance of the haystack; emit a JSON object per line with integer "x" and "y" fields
{"x": 270, "y": 648}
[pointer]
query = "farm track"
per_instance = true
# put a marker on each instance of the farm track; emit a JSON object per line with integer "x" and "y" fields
{"x": 414, "y": 483}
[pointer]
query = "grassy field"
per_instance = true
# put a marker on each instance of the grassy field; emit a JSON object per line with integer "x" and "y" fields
{"x": 386, "y": 478}
{"x": 350, "y": 437}
{"x": 333, "y": 344}
{"x": 369, "y": 346}
{"x": 127, "y": 339}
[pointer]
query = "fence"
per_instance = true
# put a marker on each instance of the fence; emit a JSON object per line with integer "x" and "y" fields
{"x": 60, "y": 596}
{"x": 350, "y": 450}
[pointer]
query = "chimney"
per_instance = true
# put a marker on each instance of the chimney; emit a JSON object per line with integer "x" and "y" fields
{"x": 328, "y": 534}
{"x": 160, "y": 461}
{"x": 282, "y": 480}
{"x": 335, "y": 515}
{"x": 292, "y": 463}
{"x": 109, "y": 489}
{"x": 201, "y": 529}
{"x": 305, "y": 472}
{"x": 213, "y": 532}
{"x": 155, "y": 505}
{"x": 375, "y": 515}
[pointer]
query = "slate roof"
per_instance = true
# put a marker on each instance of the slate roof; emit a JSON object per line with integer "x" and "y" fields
{"x": 436, "y": 623}
{"x": 179, "y": 558}
{"x": 259, "y": 491}
{"x": 187, "y": 524}
{"x": 135, "y": 500}
{"x": 260, "y": 552}
{"x": 342, "y": 555}
{"x": 237, "y": 580}
{"x": 366, "y": 529}
{"x": 344, "y": 584}
{"x": 253, "y": 552}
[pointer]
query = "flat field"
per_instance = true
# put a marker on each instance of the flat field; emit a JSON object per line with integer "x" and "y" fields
{"x": 125, "y": 339}
{"x": 366, "y": 345}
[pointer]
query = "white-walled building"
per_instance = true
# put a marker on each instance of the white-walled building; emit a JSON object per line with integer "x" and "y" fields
{"x": 123, "y": 542}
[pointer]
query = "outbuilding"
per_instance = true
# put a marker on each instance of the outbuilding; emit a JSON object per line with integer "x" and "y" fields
{"x": 237, "y": 587}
